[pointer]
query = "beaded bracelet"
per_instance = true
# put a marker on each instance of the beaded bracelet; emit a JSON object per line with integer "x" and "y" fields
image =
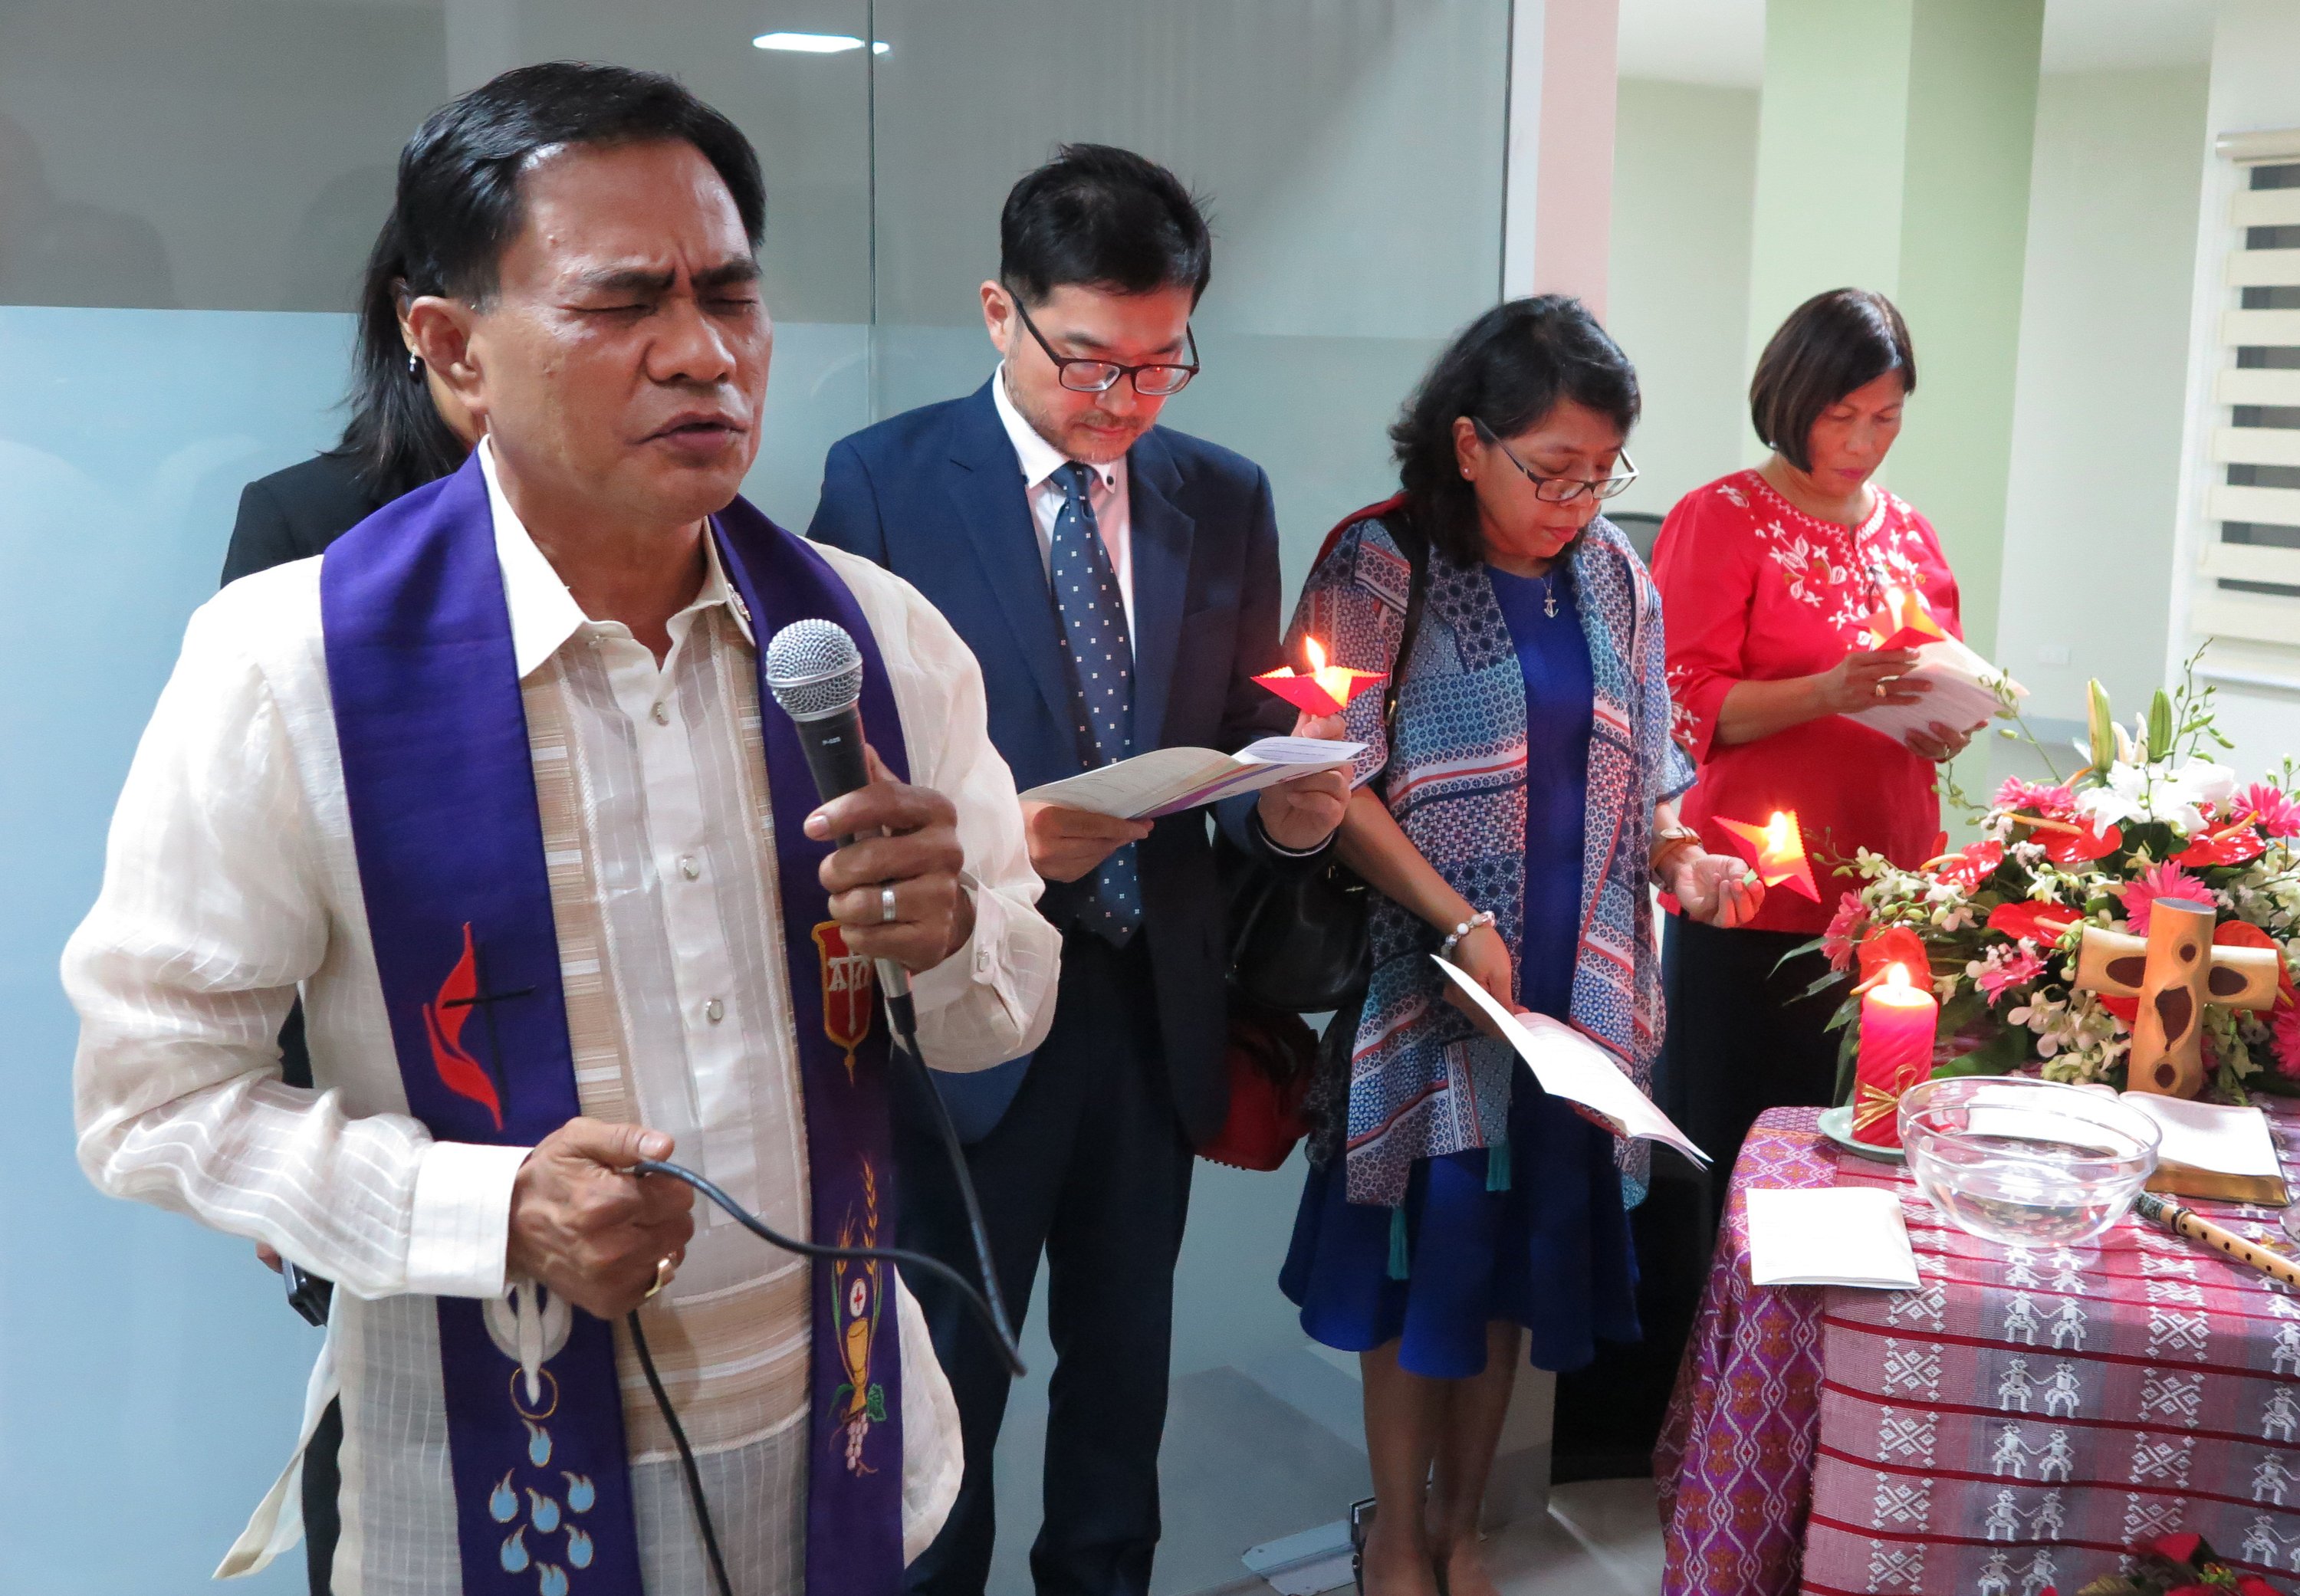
{"x": 1483, "y": 917}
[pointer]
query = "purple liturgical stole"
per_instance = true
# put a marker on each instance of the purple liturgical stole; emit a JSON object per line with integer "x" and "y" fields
{"x": 441, "y": 789}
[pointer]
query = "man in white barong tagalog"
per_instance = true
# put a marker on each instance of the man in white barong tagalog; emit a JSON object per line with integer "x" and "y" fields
{"x": 493, "y": 786}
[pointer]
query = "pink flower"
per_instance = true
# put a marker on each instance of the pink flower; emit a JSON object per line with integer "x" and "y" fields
{"x": 2050, "y": 801}
{"x": 2284, "y": 1039}
{"x": 2278, "y": 814}
{"x": 1844, "y": 930}
{"x": 2158, "y": 881}
{"x": 2007, "y": 968}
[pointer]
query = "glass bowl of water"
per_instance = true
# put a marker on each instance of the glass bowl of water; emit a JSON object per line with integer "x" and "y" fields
{"x": 2023, "y": 1162}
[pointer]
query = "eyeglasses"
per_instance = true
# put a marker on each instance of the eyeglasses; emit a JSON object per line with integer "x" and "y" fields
{"x": 1153, "y": 381}
{"x": 1562, "y": 490}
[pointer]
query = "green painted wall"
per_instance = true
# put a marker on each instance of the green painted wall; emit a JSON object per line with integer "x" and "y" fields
{"x": 1964, "y": 225}
{"x": 1832, "y": 134}
{"x": 1678, "y": 298}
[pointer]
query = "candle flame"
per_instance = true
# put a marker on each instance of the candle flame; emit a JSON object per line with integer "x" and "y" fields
{"x": 1317, "y": 655}
{"x": 1777, "y": 834}
{"x": 1897, "y": 975}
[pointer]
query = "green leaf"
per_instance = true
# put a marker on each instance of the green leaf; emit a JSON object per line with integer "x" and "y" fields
{"x": 1848, "y": 1054}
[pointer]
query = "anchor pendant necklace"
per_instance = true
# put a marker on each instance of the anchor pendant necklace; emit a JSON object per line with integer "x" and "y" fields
{"x": 1549, "y": 595}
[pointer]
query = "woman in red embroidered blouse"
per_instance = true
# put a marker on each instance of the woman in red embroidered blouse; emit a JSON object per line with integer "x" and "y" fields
{"x": 1767, "y": 580}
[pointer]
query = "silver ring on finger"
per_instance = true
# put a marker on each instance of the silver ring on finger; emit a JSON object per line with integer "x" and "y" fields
{"x": 1880, "y": 687}
{"x": 886, "y": 905}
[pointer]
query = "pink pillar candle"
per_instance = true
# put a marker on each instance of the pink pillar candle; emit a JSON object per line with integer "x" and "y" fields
{"x": 1898, "y": 1020}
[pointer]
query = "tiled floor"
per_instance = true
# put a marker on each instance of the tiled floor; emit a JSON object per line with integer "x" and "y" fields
{"x": 1601, "y": 1538}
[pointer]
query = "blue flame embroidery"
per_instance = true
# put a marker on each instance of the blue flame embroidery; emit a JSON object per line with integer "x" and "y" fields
{"x": 513, "y": 1555}
{"x": 578, "y": 1548}
{"x": 580, "y": 1492}
{"x": 553, "y": 1581}
{"x": 502, "y": 1501}
{"x": 538, "y": 1443}
{"x": 543, "y": 1511}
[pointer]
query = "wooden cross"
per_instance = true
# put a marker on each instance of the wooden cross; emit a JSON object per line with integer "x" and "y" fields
{"x": 2174, "y": 972}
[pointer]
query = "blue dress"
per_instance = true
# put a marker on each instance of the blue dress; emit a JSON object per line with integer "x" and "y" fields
{"x": 1556, "y": 1236}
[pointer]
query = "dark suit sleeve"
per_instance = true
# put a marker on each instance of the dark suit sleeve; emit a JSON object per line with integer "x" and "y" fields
{"x": 1253, "y": 711}
{"x": 846, "y": 516}
{"x": 260, "y": 537}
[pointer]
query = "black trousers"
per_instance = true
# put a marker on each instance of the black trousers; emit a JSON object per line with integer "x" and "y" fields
{"x": 1091, "y": 1165}
{"x": 1740, "y": 1039}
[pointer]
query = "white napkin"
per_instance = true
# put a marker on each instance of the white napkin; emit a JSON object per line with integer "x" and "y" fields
{"x": 1837, "y": 1235}
{"x": 2215, "y": 1137}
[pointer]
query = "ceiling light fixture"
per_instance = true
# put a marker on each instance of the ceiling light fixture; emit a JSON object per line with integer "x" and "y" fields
{"x": 815, "y": 43}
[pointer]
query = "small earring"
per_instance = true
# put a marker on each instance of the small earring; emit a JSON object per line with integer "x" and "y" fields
{"x": 415, "y": 365}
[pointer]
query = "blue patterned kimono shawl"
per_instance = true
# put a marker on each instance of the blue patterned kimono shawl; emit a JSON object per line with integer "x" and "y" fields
{"x": 1424, "y": 1082}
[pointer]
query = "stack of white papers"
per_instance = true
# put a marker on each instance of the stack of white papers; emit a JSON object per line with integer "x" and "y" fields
{"x": 1840, "y": 1235}
{"x": 1166, "y": 781}
{"x": 1963, "y": 693}
{"x": 2212, "y": 1150}
{"x": 1571, "y": 1065}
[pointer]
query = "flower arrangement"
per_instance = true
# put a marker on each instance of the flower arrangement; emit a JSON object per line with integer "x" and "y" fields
{"x": 2178, "y": 1566}
{"x": 1996, "y": 923}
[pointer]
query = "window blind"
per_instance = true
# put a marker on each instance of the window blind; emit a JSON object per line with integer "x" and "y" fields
{"x": 2249, "y": 586}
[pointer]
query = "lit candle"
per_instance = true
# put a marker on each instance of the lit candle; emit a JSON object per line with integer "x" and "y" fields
{"x": 1897, "y": 1022}
{"x": 1903, "y": 620}
{"x": 1776, "y": 848}
{"x": 1326, "y": 689}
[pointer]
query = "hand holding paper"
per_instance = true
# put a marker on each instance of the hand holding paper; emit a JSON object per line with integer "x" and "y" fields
{"x": 1166, "y": 781}
{"x": 1571, "y": 1065}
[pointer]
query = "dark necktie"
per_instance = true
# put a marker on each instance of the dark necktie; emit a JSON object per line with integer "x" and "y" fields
{"x": 1102, "y": 680}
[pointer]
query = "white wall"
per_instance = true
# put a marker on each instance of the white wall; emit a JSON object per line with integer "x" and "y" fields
{"x": 1685, "y": 163}
{"x": 2097, "y": 407}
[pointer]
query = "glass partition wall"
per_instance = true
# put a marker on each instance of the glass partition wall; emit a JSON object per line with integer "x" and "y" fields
{"x": 188, "y": 191}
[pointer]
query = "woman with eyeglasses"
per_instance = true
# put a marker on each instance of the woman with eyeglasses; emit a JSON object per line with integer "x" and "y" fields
{"x": 1770, "y": 578}
{"x": 1510, "y": 815}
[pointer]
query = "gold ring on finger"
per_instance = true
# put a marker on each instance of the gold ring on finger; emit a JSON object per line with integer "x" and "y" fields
{"x": 664, "y": 1269}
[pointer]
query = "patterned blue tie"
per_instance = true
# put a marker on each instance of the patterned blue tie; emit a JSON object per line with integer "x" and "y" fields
{"x": 1102, "y": 680}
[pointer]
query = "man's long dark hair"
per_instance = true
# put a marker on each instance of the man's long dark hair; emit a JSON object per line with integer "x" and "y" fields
{"x": 1506, "y": 369}
{"x": 457, "y": 207}
{"x": 396, "y": 439}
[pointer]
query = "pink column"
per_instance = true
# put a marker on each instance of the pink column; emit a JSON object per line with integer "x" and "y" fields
{"x": 1558, "y": 210}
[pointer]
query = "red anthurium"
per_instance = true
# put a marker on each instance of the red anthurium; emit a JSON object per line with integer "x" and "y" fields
{"x": 2080, "y": 846}
{"x": 2040, "y": 923}
{"x": 2238, "y": 845}
{"x": 2252, "y": 1584}
{"x": 2244, "y": 933}
{"x": 1895, "y": 944}
{"x": 1974, "y": 866}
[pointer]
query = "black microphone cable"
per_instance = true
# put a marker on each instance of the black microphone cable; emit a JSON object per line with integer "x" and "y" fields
{"x": 990, "y": 1303}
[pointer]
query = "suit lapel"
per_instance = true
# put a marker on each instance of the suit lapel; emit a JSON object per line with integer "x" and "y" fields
{"x": 1161, "y": 534}
{"x": 987, "y": 488}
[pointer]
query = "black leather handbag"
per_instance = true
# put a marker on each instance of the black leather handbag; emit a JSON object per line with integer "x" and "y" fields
{"x": 1297, "y": 939}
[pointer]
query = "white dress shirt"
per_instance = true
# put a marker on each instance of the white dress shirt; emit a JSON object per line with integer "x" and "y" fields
{"x": 231, "y": 885}
{"x": 1040, "y": 460}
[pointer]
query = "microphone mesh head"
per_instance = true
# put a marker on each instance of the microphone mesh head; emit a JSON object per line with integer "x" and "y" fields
{"x": 814, "y": 669}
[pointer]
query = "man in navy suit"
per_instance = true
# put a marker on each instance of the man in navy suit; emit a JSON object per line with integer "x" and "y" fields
{"x": 1118, "y": 583}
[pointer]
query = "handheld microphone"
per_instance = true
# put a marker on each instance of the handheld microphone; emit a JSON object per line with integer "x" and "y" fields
{"x": 815, "y": 672}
